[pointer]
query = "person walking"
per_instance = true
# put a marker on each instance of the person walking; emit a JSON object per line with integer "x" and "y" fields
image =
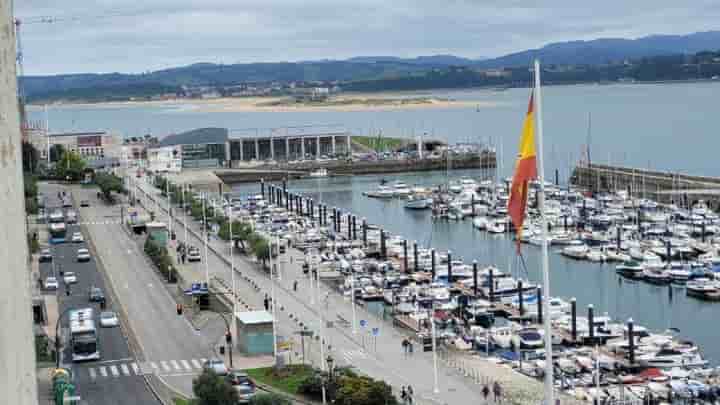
{"x": 295, "y": 286}
{"x": 266, "y": 302}
{"x": 497, "y": 392}
{"x": 405, "y": 347}
{"x": 486, "y": 392}
{"x": 410, "y": 347}
{"x": 403, "y": 394}
{"x": 410, "y": 394}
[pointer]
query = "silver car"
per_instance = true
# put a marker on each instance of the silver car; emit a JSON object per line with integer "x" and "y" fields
{"x": 83, "y": 255}
{"x": 109, "y": 319}
{"x": 218, "y": 366}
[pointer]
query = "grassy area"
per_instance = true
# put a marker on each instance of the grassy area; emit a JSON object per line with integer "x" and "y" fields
{"x": 379, "y": 144}
{"x": 180, "y": 401}
{"x": 286, "y": 380}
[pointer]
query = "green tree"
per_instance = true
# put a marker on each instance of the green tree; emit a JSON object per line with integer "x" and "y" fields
{"x": 108, "y": 183}
{"x": 211, "y": 389}
{"x": 71, "y": 165}
{"x": 56, "y": 153}
{"x": 261, "y": 250}
{"x": 30, "y": 157}
{"x": 361, "y": 390}
{"x": 240, "y": 231}
{"x": 269, "y": 399}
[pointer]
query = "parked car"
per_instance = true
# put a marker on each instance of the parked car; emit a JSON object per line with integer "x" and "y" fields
{"x": 193, "y": 254}
{"x": 69, "y": 277}
{"x": 45, "y": 255}
{"x": 77, "y": 237}
{"x": 51, "y": 283}
{"x": 95, "y": 294}
{"x": 245, "y": 393}
{"x": 84, "y": 203}
{"x": 236, "y": 377}
{"x": 109, "y": 319}
{"x": 83, "y": 255}
{"x": 218, "y": 366}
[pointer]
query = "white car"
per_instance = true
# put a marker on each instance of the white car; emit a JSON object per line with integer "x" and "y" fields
{"x": 109, "y": 319}
{"x": 45, "y": 255}
{"x": 193, "y": 255}
{"x": 51, "y": 283}
{"x": 83, "y": 255}
{"x": 77, "y": 237}
{"x": 69, "y": 277}
{"x": 218, "y": 366}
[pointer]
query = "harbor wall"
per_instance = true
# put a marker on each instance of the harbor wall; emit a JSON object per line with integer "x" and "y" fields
{"x": 485, "y": 160}
{"x": 661, "y": 186}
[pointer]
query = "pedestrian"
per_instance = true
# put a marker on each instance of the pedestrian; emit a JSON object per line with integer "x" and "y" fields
{"x": 266, "y": 302}
{"x": 497, "y": 392}
{"x": 295, "y": 286}
{"x": 410, "y": 348}
{"x": 410, "y": 394}
{"x": 405, "y": 346}
{"x": 403, "y": 394}
{"x": 486, "y": 392}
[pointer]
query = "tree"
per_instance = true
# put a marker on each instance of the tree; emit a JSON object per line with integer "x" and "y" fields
{"x": 56, "y": 152}
{"x": 261, "y": 250}
{"x": 30, "y": 157}
{"x": 269, "y": 399}
{"x": 240, "y": 231}
{"x": 108, "y": 183}
{"x": 211, "y": 389}
{"x": 71, "y": 165}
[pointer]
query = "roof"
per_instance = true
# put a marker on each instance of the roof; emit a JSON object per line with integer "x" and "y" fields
{"x": 254, "y": 317}
{"x": 78, "y": 133}
{"x": 196, "y": 137}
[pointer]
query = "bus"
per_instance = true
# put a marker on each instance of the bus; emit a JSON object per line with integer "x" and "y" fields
{"x": 57, "y": 232}
{"x": 83, "y": 335}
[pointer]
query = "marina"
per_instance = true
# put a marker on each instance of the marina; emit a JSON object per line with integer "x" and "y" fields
{"x": 479, "y": 307}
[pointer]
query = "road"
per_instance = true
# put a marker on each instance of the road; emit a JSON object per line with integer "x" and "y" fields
{"x": 380, "y": 357}
{"x": 173, "y": 349}
{"x": 110, "y": 380}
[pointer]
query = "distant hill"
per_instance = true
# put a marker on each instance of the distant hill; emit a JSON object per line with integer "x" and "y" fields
{"x": 606, "y": 50}
{"x": 359, "y": 69}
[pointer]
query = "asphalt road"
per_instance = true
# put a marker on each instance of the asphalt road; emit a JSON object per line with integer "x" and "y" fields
{"x": 111, "y": 379}
{"x": 172, "y": 347}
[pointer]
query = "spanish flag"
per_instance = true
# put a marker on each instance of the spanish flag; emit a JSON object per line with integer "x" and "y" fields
{"x": 525, "y": 170}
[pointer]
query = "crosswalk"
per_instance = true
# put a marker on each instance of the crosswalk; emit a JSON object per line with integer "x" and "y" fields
{"x": 357, "y": 354}
{"x": 115, "y": 222}
{"x": 132, "y": 368}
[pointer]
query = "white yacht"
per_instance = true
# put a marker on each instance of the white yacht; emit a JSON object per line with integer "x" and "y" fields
{"x": 576, "y": 252}
{"x": 400, "y": 189}
{"x": 669, "y": 358}
{"x": 418, "y": 203}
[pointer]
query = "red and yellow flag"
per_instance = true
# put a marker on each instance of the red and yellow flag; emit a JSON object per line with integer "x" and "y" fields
{"x": 525, "y": 170}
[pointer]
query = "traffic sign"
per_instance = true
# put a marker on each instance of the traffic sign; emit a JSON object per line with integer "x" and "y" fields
{"x": 376, "y": 332}
{"x": 363, "y": 323}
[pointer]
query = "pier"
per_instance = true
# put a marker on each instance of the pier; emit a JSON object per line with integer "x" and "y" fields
{"x": 682, "y": 189}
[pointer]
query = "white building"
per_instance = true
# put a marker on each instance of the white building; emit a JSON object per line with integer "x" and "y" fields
{"x": 165, "y": 159}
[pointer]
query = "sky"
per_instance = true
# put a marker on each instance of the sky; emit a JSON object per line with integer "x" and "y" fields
{"x": 137, "y": 36}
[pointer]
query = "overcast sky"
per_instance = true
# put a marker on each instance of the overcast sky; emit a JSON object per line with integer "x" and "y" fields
{"x": 136, "y": 36}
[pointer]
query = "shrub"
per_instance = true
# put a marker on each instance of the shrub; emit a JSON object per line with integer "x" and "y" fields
{"x": 211, "y": 389}
{"x": 269, "y": 399}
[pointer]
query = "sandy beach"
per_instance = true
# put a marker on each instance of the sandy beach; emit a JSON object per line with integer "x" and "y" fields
{"x": 345, "y": 102}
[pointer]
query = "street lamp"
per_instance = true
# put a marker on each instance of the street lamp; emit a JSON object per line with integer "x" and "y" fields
{"x": 330, "y": 362}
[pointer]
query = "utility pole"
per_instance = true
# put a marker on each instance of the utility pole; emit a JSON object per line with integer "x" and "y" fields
{"x": 17, "y": 376}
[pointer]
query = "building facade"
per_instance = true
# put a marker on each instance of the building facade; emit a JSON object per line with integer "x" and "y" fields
{"x": 199, "y": 148}
{"x": 89, "y": 145}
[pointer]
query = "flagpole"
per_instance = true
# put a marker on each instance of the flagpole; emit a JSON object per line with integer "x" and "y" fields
{"x": 549, "y": 378}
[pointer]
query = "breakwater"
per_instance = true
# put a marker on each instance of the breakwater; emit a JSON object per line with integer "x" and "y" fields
{"x": 661, "y": 186}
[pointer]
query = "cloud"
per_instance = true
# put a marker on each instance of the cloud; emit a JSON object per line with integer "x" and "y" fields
{"x": 108, "y": 36}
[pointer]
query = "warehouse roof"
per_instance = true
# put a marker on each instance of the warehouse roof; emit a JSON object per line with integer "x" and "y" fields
{"x": 198, "y": 136}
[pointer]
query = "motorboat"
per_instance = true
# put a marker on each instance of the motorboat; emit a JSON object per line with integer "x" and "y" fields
{"x": 418, "y": 203}
{"x": 382, "y": 192}
{"x": 631, "y": 269}
{"x": 528, "y": 339}
{"x": 400, "y": 189}
{"x": 656, "y": 276}
{"x": 480, "y": 222}
{"x": 669, "y": 358}
{"x": 595, "y": 255}
{"x": 576, "y": 252}
{"x": 703, "y": 288}
{"x": 321, "y": 172}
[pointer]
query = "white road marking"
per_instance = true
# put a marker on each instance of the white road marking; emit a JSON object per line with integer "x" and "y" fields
{"x": 125, "y": 369}
{"x": 202, "y": 361}
{"x": 103, "y": 371}
{"x": 155, "y": 366}
{"x": 186, "y": 364}
{"x": 166, "y": 366}
{"x": 135, "y": 368}
{"x": 176, "y": 365}
{"x": 114, "y": 371}
{"x": 195, "y": 363}
{"x": 92, "y": 373}
{"x": 115, "y": 361}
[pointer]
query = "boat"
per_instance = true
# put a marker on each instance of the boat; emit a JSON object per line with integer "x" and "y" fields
{"x": 400, "y": 189}
{"x": 382, "y": 192}
{"x": 418, "y": 203}
{"x": 480, "y": 223}
{"x": 528, "y": 339}
{"x": 669, "y": 358}
{"x": 631, "y": 269}
{"x": 656, "y": 276}
{"x": 321, "y": 172}
{"x": 575, "y": 252}
{"x": 703, "y": 288}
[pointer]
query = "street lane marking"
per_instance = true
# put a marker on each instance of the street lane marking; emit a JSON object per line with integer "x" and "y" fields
{"x": 166, "y": 367}
{"x": 195, "y": 363}
{"x": 135, "y": 368}
{"x": 114, "y": 371}
{"x": 202, "y": 361}
{"x": 115, "y": 361}
{"x": 125, "y": 369}
{"x": 186, "y": 364}
{"x": 103, "y": 371}
{"x": 176, "y": 365}
{"x": 92, "y": 373}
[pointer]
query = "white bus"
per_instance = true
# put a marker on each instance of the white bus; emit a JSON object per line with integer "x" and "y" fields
{"x": 83, "y": 335}
{"x": 57, "y": 232}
